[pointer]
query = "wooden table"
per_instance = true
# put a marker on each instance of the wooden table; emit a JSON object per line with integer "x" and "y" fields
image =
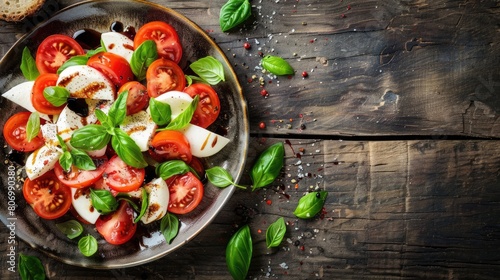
{"x": 398, "y": 120}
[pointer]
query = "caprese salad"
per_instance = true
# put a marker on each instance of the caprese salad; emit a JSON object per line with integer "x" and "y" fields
{"x": 97, "y": 119}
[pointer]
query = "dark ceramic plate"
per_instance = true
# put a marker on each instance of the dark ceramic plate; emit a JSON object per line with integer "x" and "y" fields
{"x": 148, "y": 244}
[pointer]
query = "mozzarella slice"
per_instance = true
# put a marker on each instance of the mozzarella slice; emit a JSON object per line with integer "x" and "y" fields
{"x": 41, "y": 161}
{"x": 21, "y": 95}
{"x": 177, "y": 100}
{"x": 83, "y": 81}
{"x": 80, "y": 199}
{"x": 203, "y": 142}
{"x": 118, "y": 44}
{"x": 158, "y": 200}
{"x": 49, "y": 132}
{"x": 140, "y": 127}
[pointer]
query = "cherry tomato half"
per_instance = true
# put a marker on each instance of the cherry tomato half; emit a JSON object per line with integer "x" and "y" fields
{"x": 138, "y": 97}
{"x": 115, "y": 67}
{"x": 208, "y": 107}
{"x": 39, "y": 101}
{"x": 54, "y": 51}
{"x": 121, "y": 177}
{"x": 164, "y": 75}
{"x": 49, "y": 197}
{"x": 14, "y": 132}
{"x": 167, "y": 41}
{"x": 170, "y": 144}
{"x": 77, "y": 178}
{"x": 117, "y": 227}
{"x": 186, "y": 192}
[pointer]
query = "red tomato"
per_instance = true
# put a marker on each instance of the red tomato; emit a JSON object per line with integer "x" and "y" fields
{"x": 121, "y": 177}
{"x": 49, "y": 198}
{"x": 38, "y": 100}
{"x": 115, "y": 67}
{"x": 164, "y": 75}
{"x": 197, "y": 165}
{"x": 186, "y": 192}
{"x": 170, "y": 144}
{"x": 137, "y": 98}
{"x": 54, "y": 51}
{"x": 117, "y": 227}
{"x": 208, "y": 107}
{"x": 14, "y": 132}
{"x": 77, "y": 178}
{"x": 167, "y": 41}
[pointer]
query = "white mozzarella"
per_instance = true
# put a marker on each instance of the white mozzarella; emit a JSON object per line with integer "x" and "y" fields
{"x": 203, "y": 142}
{"x": 83, "y": 81}
{"x": 140, "y": 127}
{"x": 97, "y": 153}
{"x": 118, "y": 44}
{"x": 49, "y": 132}
{"x": 41, "y": 161}
{"x": 80, "y": 199}
{"x": 177, "y": 100}
{"x": 21, "y": 95}
{"x": 158, "y": 200}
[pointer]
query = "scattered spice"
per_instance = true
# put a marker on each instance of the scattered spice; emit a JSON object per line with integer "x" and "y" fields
{"x": 262, "y": 125}
{"x": 305, "y": 74}
{"x": 247, "y": 46}
{"x": 264, "y": 92}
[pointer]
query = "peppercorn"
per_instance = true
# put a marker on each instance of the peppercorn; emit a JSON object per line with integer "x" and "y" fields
{"x": 262, "y": 125}
{"x": 305, "y": 74}
{"x": 247, "y": 46}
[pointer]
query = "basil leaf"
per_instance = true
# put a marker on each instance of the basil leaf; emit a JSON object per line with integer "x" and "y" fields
{"x": 142, "y": 57}
{"x": 185, "y": 117}
{"x": 170, "y": 168}
{"x": 310, "y": 204}
{"x": 103, "y": 201}
{"x": 82, "y": 160}
{"x": 102, "y": 117}
{"x": 63, "y": 145}
{"x": 33, "y": 126}
{"x": 169, "y": 227}
{"x": 160, "y": 112}
{"x": 268, "y": 166}
{"x": 234, "y": 13}
{"x": 144, "y": 205}
{"x": 56, "y": 95}
{"x": 275, "y": 233}
{"x": 65, "y": 160}
{"x": 239, "y": 253}
{"x": 28, "y": 65}
{"x": 219, "y": 177}
{"x": 209, "y": 69}
{"x": 99, "y": 49}
{"x": 90, "y": 137}
{"x": 118, "y": 109}
{"x": 87, "y": 245}
{"x": 72, "y": 61}
{"x": 277, "y": 65}
{"x": 126, "y": 148}
{"x": 71, "y": 228}
{"x": 30, "y": 267}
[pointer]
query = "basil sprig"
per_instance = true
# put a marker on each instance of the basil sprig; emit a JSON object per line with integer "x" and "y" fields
{"x": 234, "y": 13}
{"x": 239, "y": 253}
{"x": 144, "y": 205}
{"x": 103, "y": 201}
{"x": 30, "y": 267}
{"x": 87, "y": 245}
{"x": 161, "y": 113}
{"x": 268, "y": 166}
{"x": 71, "y": 228}
{"x": 56, "y": 95}
{"x": 76, "y": 157}
{"x": 310, "y": 204}
{"x": 277, "y": 65}
{"x": 72, "y": 61}
{"x": 209, "y": 70}
{"x": 169, "y": 227}
{"x": 28, "y": 65}
{"x": 220, "y": 177}
{"x": 183, "y": 118}
{"x": 275, "y": 233}
{"x": 142, "y": 57}
{"x": 170, "y": 168}
{"x": 33, "y": 126}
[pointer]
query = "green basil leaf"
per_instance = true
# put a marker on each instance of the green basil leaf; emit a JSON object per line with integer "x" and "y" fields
{"x": 234, "y": 13}
{"x": 87, "y": 245}
{"x": 90, "y": 137}
{"x": 169, "y": 227}
{"x": 72, "y": 61}
{"x": 268, "y": 166}
{"x": 103, "y": 118}
{"x": 82, "y": 160}
{"x": 142, "y": 57}
{"x": 126, "y": 148}
{"x": 56, "y": 95}
{"x": 170, "y": 168}
{"x": 71, "y": 228}
{"x": 239, "y": 253}
{"x": 144, "y": 205}
{"x": 310, "y": 204}
{"x": 118, "y": 109}
{"x": 103, "y": 201}
{"x": 63, "y": 145}
{"x": 33, "y": 126}
{"x": 277, "y": 65}
{"x": 28, "y": 65}
{"x": 275, "y": 233}
{"x": 160, "y": 112}
{"x": 65, "y": 160}
{"x": 209, "y": 69}
{"x": 99, "y": 49}
{"x": 30, "y": 267}
{"x": 183, "y": 118}
{"x": 219, "y": 177}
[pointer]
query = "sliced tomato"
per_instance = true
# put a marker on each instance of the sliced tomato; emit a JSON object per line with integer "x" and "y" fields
{"x": 49, "y": 197}
{"x": 77, "y": 178}
{"x": 115, "y": 67}
{"x": 14, "y": 132}
{"x": 208, "y": 107}
{"x": 54, "y": 51}
{"x": 39, "y": 101}
{"x": 170, "y": 144}
{"x": 164, "y": 75}
{"x": 198, "y": 166}
{"x": 166, "y": 38}
{"x": 138, "y": 97}
{"x": 186, "y": 192}
{"x": 121, "y": 177}
{"x": 117, "y": 227}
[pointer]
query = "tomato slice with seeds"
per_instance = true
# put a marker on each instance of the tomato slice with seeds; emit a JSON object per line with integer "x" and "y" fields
{"x": 208, "y": 107}
{"x": 49, "y": 197}
{"x": 137, "y": 98}
{"x": 186, "y": 192}
{"x": 122, "y": 177}
{"x": 40, "y": 103}
{"x": 117, "y": 227}
{"x": 170, "y": 144}
{"x": 164, "y": 75}
{"x": 77, "y": 178}
{"x": 14, "y": 132}
{"x": 54, "y": 51}
{"x": 166, "y": 38}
